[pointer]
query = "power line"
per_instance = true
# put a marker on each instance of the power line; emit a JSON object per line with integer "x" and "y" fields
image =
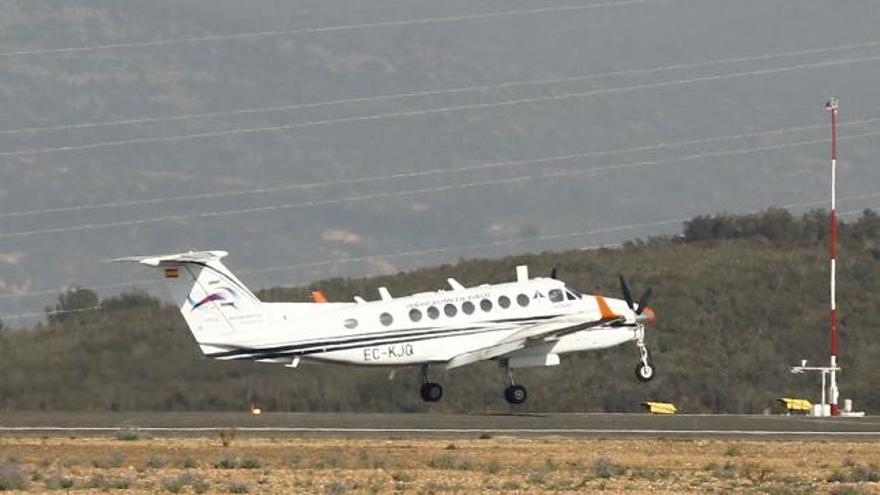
{"x": 448, "y": 109}
{"x": 422, "y": 173}
{"x": 325, "y": 29}
{"x": 437, "y": 92}
{"x": 442, "y": 250}
{"x": 392, "y": 194}
{"x": 364, "y": 258}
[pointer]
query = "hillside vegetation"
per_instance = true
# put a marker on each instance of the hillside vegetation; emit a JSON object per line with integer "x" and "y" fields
{"x": 739, "y": 300}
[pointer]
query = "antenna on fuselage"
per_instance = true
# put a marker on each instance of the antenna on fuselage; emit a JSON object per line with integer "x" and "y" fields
{"x": 384, "y": 294}
{"x": 454, "y": 284}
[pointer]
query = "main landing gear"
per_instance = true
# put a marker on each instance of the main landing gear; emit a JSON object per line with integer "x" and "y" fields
{"x": 513, "y": 394}
{"x": 430, "y": 391}
{"x": 645, "y": 369}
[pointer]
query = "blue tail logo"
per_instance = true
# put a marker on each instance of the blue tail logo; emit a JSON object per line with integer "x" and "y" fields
{"x": 224, "y": 296}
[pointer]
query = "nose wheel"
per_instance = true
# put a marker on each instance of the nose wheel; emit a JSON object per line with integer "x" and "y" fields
{"x": 645, "y": 369}
{"x": 430, "y": 391}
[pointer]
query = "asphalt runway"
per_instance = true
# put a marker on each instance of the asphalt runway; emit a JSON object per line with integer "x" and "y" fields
{"x": 418, "y": 424}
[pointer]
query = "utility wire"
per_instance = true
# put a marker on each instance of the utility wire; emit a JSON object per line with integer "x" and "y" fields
{"x": 326, "y": 29}
{"x": 423, "y": 173}
{"x": 364, "y": 258}
{"x": 448, "y": 109}
{"x": 437, "y": 92}
{"x": 444, "y": 249}
{"x": 411, "y": 192}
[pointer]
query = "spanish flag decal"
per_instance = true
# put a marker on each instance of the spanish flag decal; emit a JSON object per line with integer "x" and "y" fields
{"x": 171, "y": 273}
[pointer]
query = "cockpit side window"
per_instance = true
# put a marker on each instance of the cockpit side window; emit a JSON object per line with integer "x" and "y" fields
{"x": 555, "y": 295}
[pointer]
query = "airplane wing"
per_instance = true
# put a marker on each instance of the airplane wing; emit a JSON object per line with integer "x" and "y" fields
{"x": 539, "y": 333}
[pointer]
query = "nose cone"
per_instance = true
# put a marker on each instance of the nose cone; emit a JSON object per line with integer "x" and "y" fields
{"x": 648, "y": 317}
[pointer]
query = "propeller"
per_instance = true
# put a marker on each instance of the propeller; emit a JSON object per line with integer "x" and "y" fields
{"x": 627, "y": 295}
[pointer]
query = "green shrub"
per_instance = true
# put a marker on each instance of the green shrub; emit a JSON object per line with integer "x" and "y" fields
{"x": 236, "y": 486}
{"x": 606, "y": 468}
{"x": 226, "y": 462}
{"x": 449, "y": 462}
{"x": 113, "y": 461}
{"x": 12, "y": 477}
{"x": 251, "y": 463}
{"x": 58, "y": 482}
{"x": 853, "y": 472}
{"x": 173, "y": 485}
{"x": 336, "y": 488}
{"x": 403, "y": 477}
{"x": 188, "y": 463}
{"x": 101, "y": 482}
{"x": 128, "y": 434}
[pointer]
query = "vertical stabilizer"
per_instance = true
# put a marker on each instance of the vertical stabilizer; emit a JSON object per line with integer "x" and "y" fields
{"x": 217, "y": 307}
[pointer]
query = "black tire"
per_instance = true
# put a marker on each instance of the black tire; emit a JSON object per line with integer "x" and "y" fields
{"x": 431, "y": 392}
{"x": 515, "y": 394}
{"x": 645, "y": 373}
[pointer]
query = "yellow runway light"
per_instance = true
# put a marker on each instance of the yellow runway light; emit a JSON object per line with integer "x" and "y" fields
{"x": 660, "y": 407}
{"x": 795, "y": 405}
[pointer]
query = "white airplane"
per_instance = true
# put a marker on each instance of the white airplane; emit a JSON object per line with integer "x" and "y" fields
{"x": 526, "y": 323}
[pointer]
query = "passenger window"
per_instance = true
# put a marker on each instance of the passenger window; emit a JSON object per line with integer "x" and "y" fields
{"x": 555, "y": 295}
{"x": 504, "y": 302}
{"x": 468, "y": 308}
{"x": 486, "y": 305}
{"x": 433, "y": 313}
{"x": 450, "y": 310}
{"x": 386, "y": 319}
{"x": 415, "y": 315}
{"x": 351, "y": 323}
{"x": 522, "y": 300}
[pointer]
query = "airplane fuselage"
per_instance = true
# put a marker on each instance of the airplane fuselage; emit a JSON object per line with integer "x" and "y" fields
{"x": 430, "y": 327}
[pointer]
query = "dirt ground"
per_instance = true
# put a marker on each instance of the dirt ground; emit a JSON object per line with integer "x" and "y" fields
{"x": 133, "y": 463}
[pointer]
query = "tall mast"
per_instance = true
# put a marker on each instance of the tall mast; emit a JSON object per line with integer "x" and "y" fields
{"x": 831, "y": 106}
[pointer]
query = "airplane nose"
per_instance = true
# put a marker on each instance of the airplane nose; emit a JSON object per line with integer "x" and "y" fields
{"x": 648, "y": 317}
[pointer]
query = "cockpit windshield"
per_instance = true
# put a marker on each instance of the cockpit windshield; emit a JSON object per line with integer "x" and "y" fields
{"x": 572, "y": 294}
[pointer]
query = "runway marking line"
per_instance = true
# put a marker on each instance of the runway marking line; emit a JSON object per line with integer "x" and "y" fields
{"x": 583, "y": 431}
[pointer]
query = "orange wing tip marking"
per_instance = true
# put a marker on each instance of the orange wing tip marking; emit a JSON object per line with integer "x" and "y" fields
{"x": 171, "y": 273}
{"x": 318, "y": 297}
{"x": 605, "y": 310}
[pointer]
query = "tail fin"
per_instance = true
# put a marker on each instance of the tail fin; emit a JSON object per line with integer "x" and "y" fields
{"x": 217, "y": 307}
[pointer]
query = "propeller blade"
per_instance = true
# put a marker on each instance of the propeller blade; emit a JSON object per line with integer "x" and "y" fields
{"x": 553, "y": 273}
{"x": 627, "y": 295}
{"x": 643, "y": 302}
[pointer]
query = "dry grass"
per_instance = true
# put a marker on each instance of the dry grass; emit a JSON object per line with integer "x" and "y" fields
{"x": 423, "y": 465}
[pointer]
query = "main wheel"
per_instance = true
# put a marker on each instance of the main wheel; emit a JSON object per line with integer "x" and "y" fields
{"x": 645, "y": 372}
{"x": 431, "y": 392}
{"x": 515, "y": 394}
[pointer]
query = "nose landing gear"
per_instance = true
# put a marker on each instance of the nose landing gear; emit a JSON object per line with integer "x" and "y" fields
{"x": 645, "y": 369}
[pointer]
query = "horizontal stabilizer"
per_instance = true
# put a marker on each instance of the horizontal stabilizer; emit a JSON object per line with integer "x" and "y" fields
{"x": 187, "y": 257}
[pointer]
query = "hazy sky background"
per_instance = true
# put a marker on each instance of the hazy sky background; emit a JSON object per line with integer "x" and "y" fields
{"x": 298, "y": 135}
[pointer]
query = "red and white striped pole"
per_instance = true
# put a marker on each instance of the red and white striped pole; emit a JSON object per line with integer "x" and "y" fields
{"x": 831, "y": 106}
